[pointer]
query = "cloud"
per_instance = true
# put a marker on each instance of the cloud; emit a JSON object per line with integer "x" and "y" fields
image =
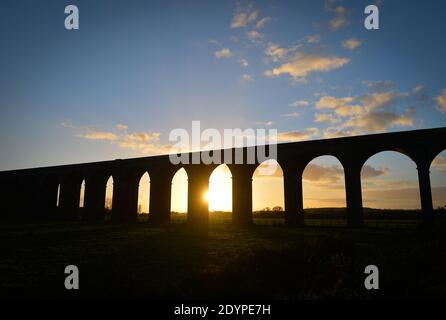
{"x": 99, "y": 135}
{"x": 265, "y": 123}
{"x": 313, "y": 39}
{"x": 326, "y": 117}
{"x": 441, "y": 101}
{"x": 351, "y": 44}
{"x": 377, "y": 121}
{"x": 66, "y": 124}
{"x": 299, "y": 103}
{"x": 371, "y": 172}
{"x": 292, "y": 115}
{"x": 439, "y": 163}
{"x": 330, "y": 102}
{"x": 291, "y": 136}
{"x": 340, "y": 18}
{"x": 276, "y": 53}
{"x": 380, "y": 85}
{"x": 261, "y": 23}
{"x": 223, "y": 53}
{"x": 141, "y": 141}
{"x": 378, "y": 100}
{"x": 122, "y": 127}
{"x": 323, "y": 173}
{"x": 254, "y": 35}
{"x": 243, "y": 15}
{"x": 246, "y": 78}
{"x": 302, "y": 64}
{"x": 243, "y": 62}
{"x": 338, "y": 132}
{"x": 372, "y": 112}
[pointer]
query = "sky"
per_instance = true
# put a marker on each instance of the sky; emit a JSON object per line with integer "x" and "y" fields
{"x": 136, "y": 70}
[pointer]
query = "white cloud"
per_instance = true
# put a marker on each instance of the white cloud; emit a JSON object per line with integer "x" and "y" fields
{"x": 246, "y": 78}
{"x": 223, "y": 53}
{"x": 302, "y": 64}
{"x": 244, "y": 63}
{"x": 351, "y": 44}
{"x": 299, "y": 103}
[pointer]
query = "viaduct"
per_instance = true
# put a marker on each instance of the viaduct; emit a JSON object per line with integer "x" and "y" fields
{"x": 31, "y": 194}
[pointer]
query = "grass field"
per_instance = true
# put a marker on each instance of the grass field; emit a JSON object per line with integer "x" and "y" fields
{"x": 223, "y": 261}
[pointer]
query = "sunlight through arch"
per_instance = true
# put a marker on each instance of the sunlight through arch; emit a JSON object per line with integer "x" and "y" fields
{"x": 109, "y": 194}
{"x": 267, "y": 189}
{"x": 389, "y": 180}
{"x": 323, "y": 183}
{"x": 219, "y": 195}
{"x": 179, "y": 192}
{"x": 144, "y": 194}
{"x": 82, "y": 195}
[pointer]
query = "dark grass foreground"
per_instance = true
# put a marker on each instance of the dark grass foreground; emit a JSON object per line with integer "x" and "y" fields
{"x": 176, "y": 262}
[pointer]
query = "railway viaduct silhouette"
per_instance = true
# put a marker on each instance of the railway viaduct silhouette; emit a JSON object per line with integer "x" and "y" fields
{"x": 31, "y": 194}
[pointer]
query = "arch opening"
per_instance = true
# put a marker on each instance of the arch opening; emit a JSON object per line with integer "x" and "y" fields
{"x": 108, "y": 201}
{"x": 389, "y": 181}
{"x": 219, "y": 195}
{"x": 82, "y": 195}
{"x": 438, "y": 182}
{"x": 144, "y": 194}
{"x": 323, "y": 188}
{"x": 179, "y": 191}
{"x": 268, "y": 193}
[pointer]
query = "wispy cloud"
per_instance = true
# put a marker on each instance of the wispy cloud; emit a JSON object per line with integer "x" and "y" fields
{"x": 351, "y": 44}
{"x": 243, "y": 15}
{"x": 261, "y": 22}
{"x": 313, "y": 39}
{"x": 303, "y": 64}
{"x": 246, "y": 78}
{"x": 223, "y": 53}
{"x": 340, "y": 15}
{"x": 299, "y": 103}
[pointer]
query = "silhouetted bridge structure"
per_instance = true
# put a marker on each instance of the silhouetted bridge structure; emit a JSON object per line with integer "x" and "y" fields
{"x": 31, "y": 194}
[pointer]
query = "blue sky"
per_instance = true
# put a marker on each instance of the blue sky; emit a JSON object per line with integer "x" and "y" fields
{"x": 135, "y": 70}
